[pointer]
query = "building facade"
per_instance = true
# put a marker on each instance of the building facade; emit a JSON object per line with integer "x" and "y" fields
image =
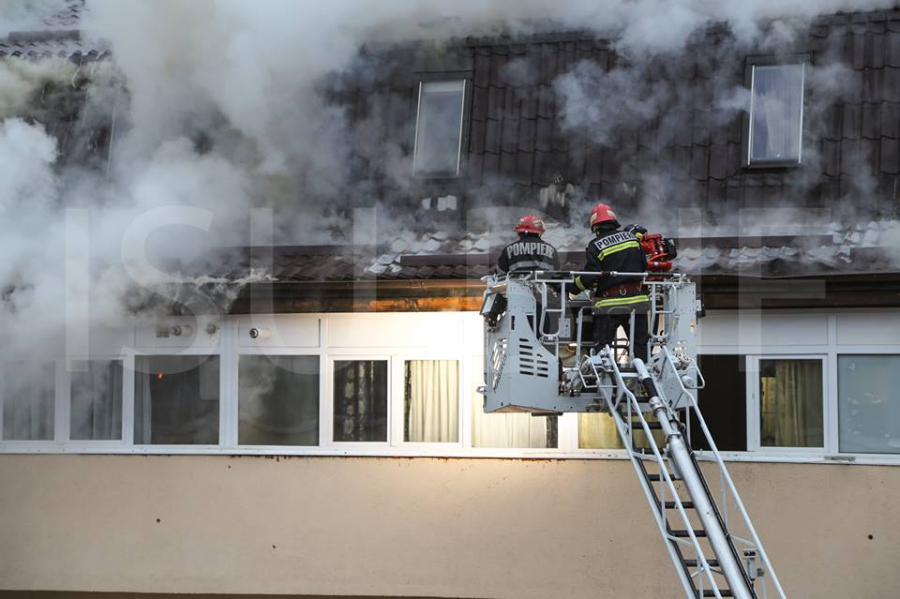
{"x": 321, "y": 435}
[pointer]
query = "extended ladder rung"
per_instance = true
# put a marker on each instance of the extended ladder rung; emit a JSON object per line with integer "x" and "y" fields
{"x": 711, "y": 593}
{"x": 693, "y": 563}
{"x": 671, "y": 505}
{"x": 656, "y": 477}
{"x": 644, "y": 454}
{"x": 685, "y": 534}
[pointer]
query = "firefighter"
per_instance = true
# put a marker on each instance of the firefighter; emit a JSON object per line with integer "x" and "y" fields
{"x": 616, "y": 298}
{"x": 529, "y": 252}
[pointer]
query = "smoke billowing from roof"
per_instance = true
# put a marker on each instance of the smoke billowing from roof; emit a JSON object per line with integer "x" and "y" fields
{"x": 224, "y": 106}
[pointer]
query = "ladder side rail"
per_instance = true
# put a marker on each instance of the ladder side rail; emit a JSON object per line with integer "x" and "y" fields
{"x": 544, "y": 306}
{"x": 578, "y": 340}
{"x": 631, "y": 323}
{"x": 488, "y": 372}
{"x": 659, "y": 514}
{"x": 721, "y": 515}
{"x": 665, "y": 476}
{"x": 726, "y": 478}
{"x": 694, "y": 481}
{"x": 684, "y": 571}
{"x": 729, "y": 482}
{"x": 563, "y": 309}
{"x": 723, "y": 521}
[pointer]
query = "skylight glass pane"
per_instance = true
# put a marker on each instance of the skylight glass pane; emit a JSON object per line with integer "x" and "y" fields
{"x": 776, "y": 113}
{"x": 439, "y": 129}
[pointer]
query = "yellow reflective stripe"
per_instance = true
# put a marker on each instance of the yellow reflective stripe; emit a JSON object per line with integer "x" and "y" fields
{"x": 618, "y": 248}
{"x": 621, "y": 301}
{"x": 579, "y": 283}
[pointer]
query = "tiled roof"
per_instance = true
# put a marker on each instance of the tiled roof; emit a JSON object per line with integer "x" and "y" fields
{"x": 864, "y": 248}
{"x": 518, "y": 143}
{"x": 517, "y": 140}
{"x": 516, "y": 127}
{"x": 49, "y": 44}
{"x": 56, "y": 35}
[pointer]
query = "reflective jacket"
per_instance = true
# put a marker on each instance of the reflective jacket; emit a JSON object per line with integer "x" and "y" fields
{"x": 620, "y": 251}
{"x": 529, "y": 253}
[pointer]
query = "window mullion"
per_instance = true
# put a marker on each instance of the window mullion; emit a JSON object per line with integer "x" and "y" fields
{"x": 62, "y": 401}
{"x": 832, "y": 431}
{"x": 753, "y": 407}
{"x": 228, "y": 348}
{"x": 396, "y": 400}
{"x": 128, "y": 398}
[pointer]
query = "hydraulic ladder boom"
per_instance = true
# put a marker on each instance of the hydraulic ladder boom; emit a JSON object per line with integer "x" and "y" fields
{"x": 531, "y": 325}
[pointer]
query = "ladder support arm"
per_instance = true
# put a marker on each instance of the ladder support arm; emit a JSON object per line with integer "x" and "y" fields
{"x": 687, "y": 469}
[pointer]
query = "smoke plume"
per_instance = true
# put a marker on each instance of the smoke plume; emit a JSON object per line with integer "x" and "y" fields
{"x": 211, "y": 109}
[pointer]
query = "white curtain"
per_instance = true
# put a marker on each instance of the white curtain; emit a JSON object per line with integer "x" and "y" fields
{"x": 502, "y": 431}
{"x": 598, "y": 431}
{"x": 432, "y": 401}
{"x": 791, "y": 404}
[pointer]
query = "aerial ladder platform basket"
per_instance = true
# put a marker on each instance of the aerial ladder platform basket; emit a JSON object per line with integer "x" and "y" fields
{"x": 538, "y": 360}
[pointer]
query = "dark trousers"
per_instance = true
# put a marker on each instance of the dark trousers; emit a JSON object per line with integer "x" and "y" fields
{"x": 606, "y": 326}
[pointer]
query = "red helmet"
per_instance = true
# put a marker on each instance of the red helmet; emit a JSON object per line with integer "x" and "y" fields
{"x": 603, "y": 213}
{"x": 530, "y": 224}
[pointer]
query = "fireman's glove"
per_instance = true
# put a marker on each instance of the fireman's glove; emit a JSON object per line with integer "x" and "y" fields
{"x": 636, "y": 230}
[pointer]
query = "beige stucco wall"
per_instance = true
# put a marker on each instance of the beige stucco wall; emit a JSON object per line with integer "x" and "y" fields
{"x": 414, "y": 527}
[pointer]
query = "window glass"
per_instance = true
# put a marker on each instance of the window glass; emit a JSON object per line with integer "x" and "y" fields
{"x": 790, "y": 400}
{"x": 278, "y": 399}
{"x": 96, "y": 401}
{"x": 511, "y": 431}
{"x": 439, "y": 130}
{"x": 776, "y": 113}
{"x": 723, "y": 403}
{"x": 431, "y": 406}
{"x": 176, "y": 400}
{"x": 598, "y": 431}
{"x": 360, "y": 400}
{"x": 869, "y": 404}
{"x": 28, "y": 395}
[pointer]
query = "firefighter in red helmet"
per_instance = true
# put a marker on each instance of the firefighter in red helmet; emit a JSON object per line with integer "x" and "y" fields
{"x": 529, "y": 252}
{"x": 616, "y": 298}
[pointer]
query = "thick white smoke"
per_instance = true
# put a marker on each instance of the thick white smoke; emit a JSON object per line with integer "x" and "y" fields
{"x": 227, "y": 109}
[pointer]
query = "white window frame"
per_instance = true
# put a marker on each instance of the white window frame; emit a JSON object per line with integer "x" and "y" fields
{"x": 754, "y": 406}
{"x": 748, "y": 161}
{"x": 462, "y": 127}
{"x": 883, "y": 351}
{"x": 467, "y": 349}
